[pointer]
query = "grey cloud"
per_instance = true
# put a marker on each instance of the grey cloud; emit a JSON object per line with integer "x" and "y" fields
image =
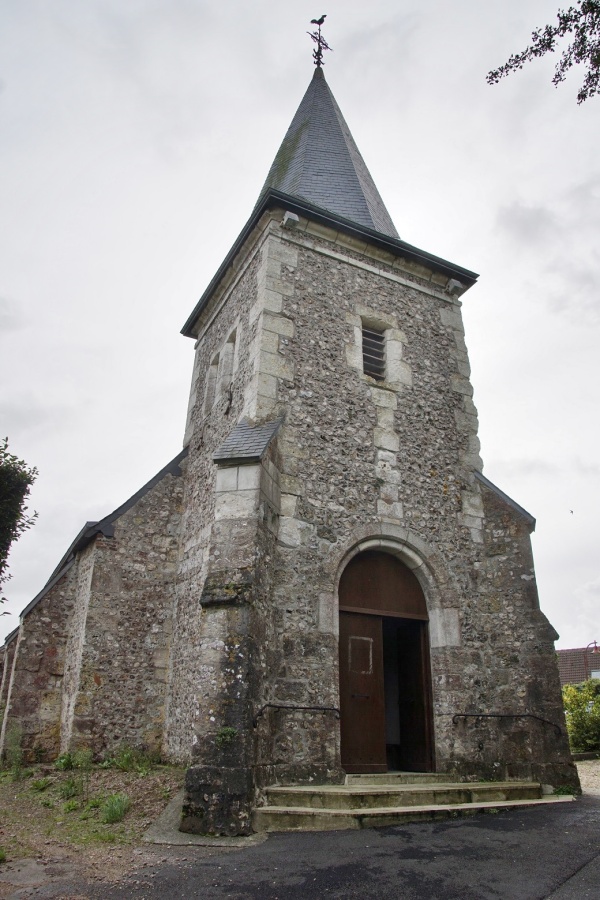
{"x": 528, "y": 224}
{"x": 9, "y": 318}
{"x": 522, "y": 468}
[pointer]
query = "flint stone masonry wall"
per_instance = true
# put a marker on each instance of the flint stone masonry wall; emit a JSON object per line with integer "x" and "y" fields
{"x": 226, "y": 551}
{"x": 35, "y": 689}
{"x": 121, "y": 635}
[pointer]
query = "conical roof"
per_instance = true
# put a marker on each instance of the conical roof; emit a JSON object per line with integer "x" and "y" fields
{"x": 318, "y": 161}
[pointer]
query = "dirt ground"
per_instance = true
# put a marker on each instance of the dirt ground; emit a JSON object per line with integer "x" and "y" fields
{"x": 46, "y": 838}
{"x": 58, "y": 834}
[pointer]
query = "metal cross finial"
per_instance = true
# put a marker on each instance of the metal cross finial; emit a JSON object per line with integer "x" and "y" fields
{"x": 319, "y": 41}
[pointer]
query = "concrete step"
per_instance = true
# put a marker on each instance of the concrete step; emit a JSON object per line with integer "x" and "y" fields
{"x": 352, "y": 796}
{"x": 279, "y": 818}
{"x": 402, "y": 778}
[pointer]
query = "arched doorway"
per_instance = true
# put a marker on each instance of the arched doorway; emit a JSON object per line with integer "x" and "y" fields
{"x": 385, "y": 680}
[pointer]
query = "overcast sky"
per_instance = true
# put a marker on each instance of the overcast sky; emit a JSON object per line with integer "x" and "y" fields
{"x": 135, "y": 138}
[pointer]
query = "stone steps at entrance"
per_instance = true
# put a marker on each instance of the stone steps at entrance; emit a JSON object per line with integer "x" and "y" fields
{"x": 364, "y": 801}
{"x": 391, "y": 778}
{"x": 302, "y": 819}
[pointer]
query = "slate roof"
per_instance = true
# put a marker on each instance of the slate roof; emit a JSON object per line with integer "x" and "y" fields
{"x": 246, "y": 443}
{"x": 318, "y": 161}
{"x": 104, "y": 526}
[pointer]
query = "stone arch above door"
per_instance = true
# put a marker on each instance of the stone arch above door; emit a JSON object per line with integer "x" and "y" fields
{"x": 442, "y": 594}
{"x": 375, "y": 581}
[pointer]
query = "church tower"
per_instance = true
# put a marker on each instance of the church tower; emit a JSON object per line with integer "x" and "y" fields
{"x": 352, "y": 595}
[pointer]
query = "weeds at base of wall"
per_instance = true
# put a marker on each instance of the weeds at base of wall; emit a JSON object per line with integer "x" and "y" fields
{"x": 52, "y": 807}
{"x": 225, "y": 736}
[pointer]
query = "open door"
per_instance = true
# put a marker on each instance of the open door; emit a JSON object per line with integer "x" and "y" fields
{"x": 385, "y": 684}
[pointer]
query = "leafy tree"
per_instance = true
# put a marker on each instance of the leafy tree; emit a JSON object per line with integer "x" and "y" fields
{"x": 582, "y": 24}
{"x": 16, "y": 479}
{"x": 582, "y": 711}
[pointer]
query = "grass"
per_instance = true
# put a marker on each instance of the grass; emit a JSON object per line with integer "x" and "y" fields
{"x": 114, "y": 808}
{"x": 80, "y": 804}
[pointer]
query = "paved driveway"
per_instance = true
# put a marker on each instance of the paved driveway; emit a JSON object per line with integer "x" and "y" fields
{"x": 530, "y": 854}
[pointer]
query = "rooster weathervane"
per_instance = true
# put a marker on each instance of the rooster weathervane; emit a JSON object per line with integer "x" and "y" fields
{"x": 319, "y": 41}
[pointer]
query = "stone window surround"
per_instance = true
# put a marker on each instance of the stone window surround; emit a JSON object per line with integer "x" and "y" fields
{"x": 222, "y": 369}
{"x": 397, "y": 372}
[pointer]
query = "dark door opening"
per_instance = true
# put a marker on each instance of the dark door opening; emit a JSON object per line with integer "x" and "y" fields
{"x": 406, "y": 688}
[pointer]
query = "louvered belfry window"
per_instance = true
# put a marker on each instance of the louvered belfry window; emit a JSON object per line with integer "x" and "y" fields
{"x": 373, "y": 347}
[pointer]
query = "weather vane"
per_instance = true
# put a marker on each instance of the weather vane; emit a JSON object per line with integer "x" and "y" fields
{"x": 319, "y": 41}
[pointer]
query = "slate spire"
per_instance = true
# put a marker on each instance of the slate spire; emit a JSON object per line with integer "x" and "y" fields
{"x": 318, "y": 161}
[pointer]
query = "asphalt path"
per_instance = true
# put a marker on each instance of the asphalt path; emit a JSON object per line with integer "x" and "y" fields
{"x": 548, "y": 853}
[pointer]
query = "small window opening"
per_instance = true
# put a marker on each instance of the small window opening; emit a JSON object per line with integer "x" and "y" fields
{"x": 211, "y": 385}
{"x": 226, "y": 364}
{"x": 373, "y": 348}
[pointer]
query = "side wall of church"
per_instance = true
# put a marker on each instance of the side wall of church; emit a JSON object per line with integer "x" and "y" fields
{"x": 119, "y": 643}
{"x": 511, "y": 666}
{"x": 34, "y": 683}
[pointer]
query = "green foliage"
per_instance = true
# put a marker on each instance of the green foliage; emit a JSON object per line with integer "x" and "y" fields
{"x": 130, "y": 759}
{"x": 83, "y": 761}
{"x": 582, "y": 711}
{"x": 13, "y": 751}
{"x": 70, "y": 788}
{"x": 114, "y": 808}
{"x": 2, "y": 855}
{"x": 40, "y": 784}
{"x": 581, "y": 23}
{"x": 16, "y": 479}
{"x": 71, "y": 806}
{"x": 563, "y": 790}
{"x": 64, "y": 762}
{"x": 225, "y": 736}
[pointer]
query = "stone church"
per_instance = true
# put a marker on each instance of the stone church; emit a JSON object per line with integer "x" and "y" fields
{"x": 322, "y": 583}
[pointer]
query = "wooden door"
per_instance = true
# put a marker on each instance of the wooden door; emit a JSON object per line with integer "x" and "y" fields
{"x": 362, "y": 705}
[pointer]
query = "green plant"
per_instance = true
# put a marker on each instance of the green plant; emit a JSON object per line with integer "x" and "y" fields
{"x": 64, "y": 762}
{"x": 71, "y": 806}
{"x": 225, "y": 736}
{"x": 70, "y": 788}
{"x": 16, "y": 479}
{"x": 582, "y": 712}
{"x": 47, "y": 803}
{"x": 562, "y": 790}
{"x": 40, "y": 784}
{"x": 13, "y": 750}
{"x": 38, "y": 754}
{"x": 94, "y": 803}
{"x": 130, "y": 759}
{"x": 114, "y": 808}
{"x": 83, "y": 761}
{"x": 2, "y": 855}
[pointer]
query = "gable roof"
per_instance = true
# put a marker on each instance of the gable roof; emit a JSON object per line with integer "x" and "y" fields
{"x": 529, "y": 519}
{"x": 105, "y": 526}
{"x": 319, "y": 161}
